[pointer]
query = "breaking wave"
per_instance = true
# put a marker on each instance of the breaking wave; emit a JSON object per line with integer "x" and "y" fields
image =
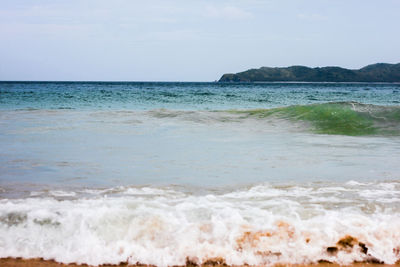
{"x": 341, "y": 118}
{"x": 344, "y": 118}
{"x": 261, "y": 225}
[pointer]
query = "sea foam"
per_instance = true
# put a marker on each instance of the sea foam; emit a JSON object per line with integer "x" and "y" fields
{"x": 261, "y": 225}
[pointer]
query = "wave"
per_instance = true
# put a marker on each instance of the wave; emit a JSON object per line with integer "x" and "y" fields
{"x": 335, "y": 118}
{"x": 341, "y": 118}
{"x": 261, "y": 225}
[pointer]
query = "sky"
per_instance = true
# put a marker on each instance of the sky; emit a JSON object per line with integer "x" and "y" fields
{"x": 188, "y": 40}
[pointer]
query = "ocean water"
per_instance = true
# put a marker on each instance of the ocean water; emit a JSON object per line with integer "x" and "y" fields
{"x": 170, "y": 173}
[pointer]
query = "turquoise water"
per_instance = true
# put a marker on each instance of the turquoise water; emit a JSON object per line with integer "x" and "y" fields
{"x": 196, "y": 134}
{"x": 258, "y": 173}
{"x": 188, "y": 96}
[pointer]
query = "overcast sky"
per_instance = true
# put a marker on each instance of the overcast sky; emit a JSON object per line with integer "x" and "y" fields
{"x": 161, "y": 40}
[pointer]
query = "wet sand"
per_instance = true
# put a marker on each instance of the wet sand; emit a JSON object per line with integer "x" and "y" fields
{"x": 12, "y": 262}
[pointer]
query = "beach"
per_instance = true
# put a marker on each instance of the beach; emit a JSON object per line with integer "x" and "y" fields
{"x": 167, "y": 174}
{"x": 43, "y": 263}
{"x": 228, "y": 133}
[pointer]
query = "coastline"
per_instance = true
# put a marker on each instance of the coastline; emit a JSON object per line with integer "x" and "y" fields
{"x": 19, "y": 262}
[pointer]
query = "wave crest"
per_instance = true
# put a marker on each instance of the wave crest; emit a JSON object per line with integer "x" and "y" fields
{"x": 343, "y": 118}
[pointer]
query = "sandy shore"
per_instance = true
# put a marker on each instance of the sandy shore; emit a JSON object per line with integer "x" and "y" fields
{"x": 11, "y": 262}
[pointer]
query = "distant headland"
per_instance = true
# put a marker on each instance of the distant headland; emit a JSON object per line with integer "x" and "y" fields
{"x": 380, "y": 72}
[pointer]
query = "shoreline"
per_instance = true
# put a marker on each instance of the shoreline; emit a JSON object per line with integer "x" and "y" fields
{"x": 38, "y": 262}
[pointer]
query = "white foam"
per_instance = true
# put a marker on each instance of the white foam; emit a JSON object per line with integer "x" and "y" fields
{"x": 35, "y": 193}
{"x": 355, "y": 183}
{"x": 60, "y": 193}
{"x": 259, "y": 225}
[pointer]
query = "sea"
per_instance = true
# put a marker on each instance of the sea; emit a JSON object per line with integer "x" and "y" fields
{"x": 176, "y": 173}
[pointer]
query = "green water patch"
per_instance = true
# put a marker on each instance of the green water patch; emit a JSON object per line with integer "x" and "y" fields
{"x": 345, "y": 118}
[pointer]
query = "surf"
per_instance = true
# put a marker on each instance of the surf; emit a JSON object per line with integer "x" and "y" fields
{"x": 342, "y": 118}
{"x": 263, "y": 224}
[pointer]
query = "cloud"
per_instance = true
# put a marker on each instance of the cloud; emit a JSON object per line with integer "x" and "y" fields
{"x": 227, "y": 12}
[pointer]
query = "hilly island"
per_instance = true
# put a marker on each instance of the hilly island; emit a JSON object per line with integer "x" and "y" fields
{"x": 380, "y": 72}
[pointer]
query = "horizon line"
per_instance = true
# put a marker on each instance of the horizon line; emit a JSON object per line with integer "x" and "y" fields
{"x": 215, "y": 81}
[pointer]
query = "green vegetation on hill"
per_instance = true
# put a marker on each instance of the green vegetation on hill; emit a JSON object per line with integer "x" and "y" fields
{"x": 381, "y": 72}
